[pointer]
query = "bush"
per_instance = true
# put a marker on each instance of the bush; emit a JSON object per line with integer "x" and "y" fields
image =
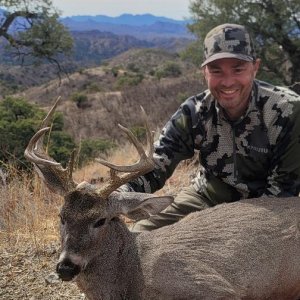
{"x": 92, "y": 148}
{"x": 19, "y": 121}
{"x": 61, "y": 146}
{"x": 129, "y": 80}
{"x": 133, "y": 67}
{"x": 80, "y": 100}
{"x": 139, "y": 132}
{"x": 169, "y": 69}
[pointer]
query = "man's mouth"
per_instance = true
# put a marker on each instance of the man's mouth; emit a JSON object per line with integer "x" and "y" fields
{"x": 229, "y": 92}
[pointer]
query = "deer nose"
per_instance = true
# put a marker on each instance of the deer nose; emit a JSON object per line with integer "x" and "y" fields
{"x": 67, "y": 270}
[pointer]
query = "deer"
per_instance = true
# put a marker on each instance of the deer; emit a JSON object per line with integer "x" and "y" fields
{"x": 249, "y": 249}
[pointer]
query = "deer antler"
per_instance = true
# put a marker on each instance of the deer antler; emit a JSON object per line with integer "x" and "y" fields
{"x": 55, "y": 176}
{"x": 143, "y": 166}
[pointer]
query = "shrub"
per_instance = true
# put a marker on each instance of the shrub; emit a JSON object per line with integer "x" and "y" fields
{"x": 92, "y": 148}
{"x": 129, "y": 80}
{"x": 169, "y": 69}
{"x": 80, "y": 100}
{"x": 139, "y": 132}
{"x": 133, "y": 67}
{"x": 19, "y": 121}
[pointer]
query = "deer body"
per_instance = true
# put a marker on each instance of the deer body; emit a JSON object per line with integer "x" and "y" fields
{"x": 244, "y": 250}
{"x": 247, "y": 250}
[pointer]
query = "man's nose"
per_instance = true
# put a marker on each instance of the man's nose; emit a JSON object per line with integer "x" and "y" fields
{"x": 228, "y": 80}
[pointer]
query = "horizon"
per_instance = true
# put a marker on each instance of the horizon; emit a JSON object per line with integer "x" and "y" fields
{"x": 172, "y": 9}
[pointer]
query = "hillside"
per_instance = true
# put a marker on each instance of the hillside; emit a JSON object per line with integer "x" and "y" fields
{"x": 114, "y": 92}
{"x": 91, "y": 48}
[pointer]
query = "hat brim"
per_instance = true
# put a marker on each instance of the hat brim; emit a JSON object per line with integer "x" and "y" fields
{"x": 227, "y": 55}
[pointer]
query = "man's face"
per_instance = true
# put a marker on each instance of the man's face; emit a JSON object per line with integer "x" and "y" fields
{"x": 230, "y": 82}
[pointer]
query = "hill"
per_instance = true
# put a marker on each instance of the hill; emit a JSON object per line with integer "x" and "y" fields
{"x": 91, "y": 48}
{"x": 113, "y": 93}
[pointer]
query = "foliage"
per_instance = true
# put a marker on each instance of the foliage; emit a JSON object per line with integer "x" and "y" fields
{"x": 133, "y": 67}
{"x": 92, "y": 148}
{"x": 139, "y": 132}
{"x": 61, "y": 146}
{"x": 275, "y": 24}
{"x": 32, "y": 30}
{"x": 80, "y": 99}
{"x": 129, "y": 79}
{"x": 19, "y": 121}
{"x": 169, "y": 69}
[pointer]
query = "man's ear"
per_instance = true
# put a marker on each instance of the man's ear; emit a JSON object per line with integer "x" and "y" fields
{"x": 137, "y": 206}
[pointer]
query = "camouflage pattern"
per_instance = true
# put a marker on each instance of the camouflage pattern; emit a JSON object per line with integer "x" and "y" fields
{"x": 228, "y": 41}
{"x": 257, "y": 155}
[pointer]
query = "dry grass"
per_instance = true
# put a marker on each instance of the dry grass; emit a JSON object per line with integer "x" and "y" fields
{"x": 29, "y": 230}
{"x": 28, "y": 212}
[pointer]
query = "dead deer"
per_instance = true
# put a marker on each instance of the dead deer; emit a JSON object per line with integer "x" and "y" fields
{"x": 244, "y": 250}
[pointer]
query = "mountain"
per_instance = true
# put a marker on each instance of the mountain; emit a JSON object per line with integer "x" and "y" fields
{"x": 95, "y": 42}
{"x": 127, "y": 19}
{"x": 144, "y": 26}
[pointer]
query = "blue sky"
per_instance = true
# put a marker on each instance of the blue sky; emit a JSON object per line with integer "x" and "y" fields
{"x": 175, "y": 9}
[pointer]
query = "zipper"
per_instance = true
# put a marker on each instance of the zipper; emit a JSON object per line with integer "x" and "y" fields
{"x": 234, "y": 153}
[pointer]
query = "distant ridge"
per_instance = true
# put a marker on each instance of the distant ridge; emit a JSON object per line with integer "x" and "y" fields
{"x": 140, "y": 26}
{"x": 124, "y": 19}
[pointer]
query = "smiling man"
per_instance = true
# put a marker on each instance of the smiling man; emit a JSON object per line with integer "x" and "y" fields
{"x": 247, "y": 133}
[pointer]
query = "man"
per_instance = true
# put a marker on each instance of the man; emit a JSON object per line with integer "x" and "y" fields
{"x": 247, "y": 133}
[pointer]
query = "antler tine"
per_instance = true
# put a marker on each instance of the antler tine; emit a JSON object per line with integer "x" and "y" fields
{"x": 144, "y": 158}
{"x": 31, "y": 152}
{"x": 47, "y": 120}
{"x": 143, "y": 166}
{"x": 57, "y": 178}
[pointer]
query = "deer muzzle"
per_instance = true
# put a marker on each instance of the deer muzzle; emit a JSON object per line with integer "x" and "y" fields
{"x": 67, "y": 270}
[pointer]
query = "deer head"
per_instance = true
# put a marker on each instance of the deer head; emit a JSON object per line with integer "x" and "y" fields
{"x": 91, "y": 212}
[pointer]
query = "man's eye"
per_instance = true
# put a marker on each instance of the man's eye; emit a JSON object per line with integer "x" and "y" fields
{"x": 239, "y": 70}
{"x": 215, "y": 72}
{"x": 99, "y": 223}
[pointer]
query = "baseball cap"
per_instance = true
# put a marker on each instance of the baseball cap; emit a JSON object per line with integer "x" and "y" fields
{"x": 228, "y": 41}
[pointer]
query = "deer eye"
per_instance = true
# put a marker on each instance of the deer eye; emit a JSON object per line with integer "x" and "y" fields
{"x": 100, "y": 222}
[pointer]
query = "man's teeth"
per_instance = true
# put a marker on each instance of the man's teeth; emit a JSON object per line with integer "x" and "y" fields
{"x": 229, "y": 91}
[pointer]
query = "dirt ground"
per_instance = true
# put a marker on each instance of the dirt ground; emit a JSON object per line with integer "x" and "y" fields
{"x": 29, "y": 273}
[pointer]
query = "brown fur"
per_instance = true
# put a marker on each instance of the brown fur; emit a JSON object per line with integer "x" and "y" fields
{"x": 243, "y": 250}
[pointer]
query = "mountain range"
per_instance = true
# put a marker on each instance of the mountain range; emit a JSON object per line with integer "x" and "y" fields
{"x": 96, "y": 39}
{"x": 144, "y": 26}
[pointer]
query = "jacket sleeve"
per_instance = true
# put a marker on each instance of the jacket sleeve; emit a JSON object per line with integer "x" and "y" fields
{"x": 176, "y": 143}
{"x": 284, "y": 176}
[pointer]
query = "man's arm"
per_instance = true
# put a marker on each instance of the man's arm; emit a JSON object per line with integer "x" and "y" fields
{"x": 284, "y": 178}
{"x": 176, "y": 143}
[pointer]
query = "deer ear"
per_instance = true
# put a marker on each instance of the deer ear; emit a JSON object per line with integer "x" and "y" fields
{"x": 137, "y": 206}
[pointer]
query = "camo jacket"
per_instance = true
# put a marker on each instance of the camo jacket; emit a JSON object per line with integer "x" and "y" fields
{"x": 257, "y": 155}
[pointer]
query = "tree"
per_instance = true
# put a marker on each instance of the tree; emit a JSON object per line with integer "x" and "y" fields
{"x": 32, "y": 30}
{"x": 275, "y": 25}
{"x": 19, "y": 121}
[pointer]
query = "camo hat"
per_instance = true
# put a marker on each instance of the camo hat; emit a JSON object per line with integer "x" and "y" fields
{"x": 228, "y": 41}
